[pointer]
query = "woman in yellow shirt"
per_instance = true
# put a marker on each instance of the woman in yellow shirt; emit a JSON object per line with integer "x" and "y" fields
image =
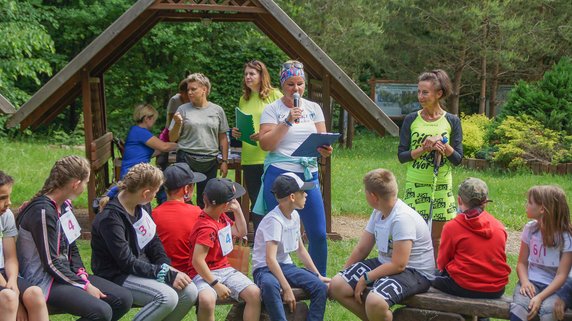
{"x": 257, "y": 92}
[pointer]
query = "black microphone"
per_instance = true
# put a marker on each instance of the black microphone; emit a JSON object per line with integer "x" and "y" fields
{"x": 296, "y": 97}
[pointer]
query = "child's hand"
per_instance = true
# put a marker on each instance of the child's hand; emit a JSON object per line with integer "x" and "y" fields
{"x": 533, "y": 307}
{"x": 289, "y": 299}
{"x": 527, "y": 289}
{"x": 360, "y": 287}
{"x": 222, "y": 291}
{"x": 234, "y": 206}
{"x": 559, "y": 308}
{"x": 181, "y": 281}
{"x": 324, "y": 279}
{"x": 95, "y": 292}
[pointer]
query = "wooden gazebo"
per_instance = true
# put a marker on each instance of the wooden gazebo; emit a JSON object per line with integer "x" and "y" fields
{"x": 84, "y": 75}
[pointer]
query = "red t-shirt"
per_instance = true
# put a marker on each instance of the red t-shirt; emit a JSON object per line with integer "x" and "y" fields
{"x": 205, "y": 233}
{"x": 175, "y": 221}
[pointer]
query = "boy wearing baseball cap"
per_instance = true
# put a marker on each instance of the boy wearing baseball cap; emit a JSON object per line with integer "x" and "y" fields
{"x": 175, "y": 218}
{"x": 211, "y": 241}
{"x": 472, "y": 257}
{"x": 405, "y": 261}
{"x": 278, "y": 235}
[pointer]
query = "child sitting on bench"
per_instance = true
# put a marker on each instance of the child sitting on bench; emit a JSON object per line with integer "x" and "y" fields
{"x": 279, "y": 235}
{"x": 405, "y": 263}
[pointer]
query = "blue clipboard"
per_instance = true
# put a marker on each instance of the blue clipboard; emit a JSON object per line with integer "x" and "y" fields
{"x": 309, "y": 147}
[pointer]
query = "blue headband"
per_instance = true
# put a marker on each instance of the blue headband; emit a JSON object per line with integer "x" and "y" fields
{"x": 290, "y": 72}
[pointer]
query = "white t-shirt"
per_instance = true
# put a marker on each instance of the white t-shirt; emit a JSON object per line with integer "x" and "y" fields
{"x": 542, "y": 261}
{"x": 7, "y": 229}
{"x": 403, "y": 223}
{"x": 277, "y": 112}
{"x": 275, "y": 227}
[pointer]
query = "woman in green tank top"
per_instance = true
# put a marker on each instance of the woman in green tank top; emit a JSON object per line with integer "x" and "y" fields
{"x": 257, "y": 92}
{"x": 425, "y": 134}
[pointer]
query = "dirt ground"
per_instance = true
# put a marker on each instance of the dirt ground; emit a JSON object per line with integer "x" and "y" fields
{"x": 351, "y": 227}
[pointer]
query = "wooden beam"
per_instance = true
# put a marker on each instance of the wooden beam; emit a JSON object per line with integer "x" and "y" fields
{"x": 51, "y": 114}
{"x": 169, "y": 16}
{"x": 56, "y": 84}
{"x": 88, "y": 127}
{"x": 347, "y": 86}
{"x": 206, "y": 7}
{"x": 6, "y": 106}
{"x": 124, "y": 41}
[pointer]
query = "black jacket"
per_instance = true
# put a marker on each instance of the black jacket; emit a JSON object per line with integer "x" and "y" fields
{"x": 44, "y": 252}
{"x": 115, "y": 252}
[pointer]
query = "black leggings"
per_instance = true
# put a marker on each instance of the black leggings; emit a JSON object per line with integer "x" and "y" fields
{"x": 69, "y": 299}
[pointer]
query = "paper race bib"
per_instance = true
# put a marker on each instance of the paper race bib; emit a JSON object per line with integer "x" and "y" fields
{"x": 225, "y": 240}
{"x": 290, "y": 239}
{"x": 541, "y": 255}
{"x": 382, "y": 238}
{"x": 70, "y": 225}
{"x": 145, "y": 229}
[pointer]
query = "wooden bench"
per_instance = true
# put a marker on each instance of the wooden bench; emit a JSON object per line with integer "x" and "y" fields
{"x": 436, "y": 305}
{"x": 235, "y": 313}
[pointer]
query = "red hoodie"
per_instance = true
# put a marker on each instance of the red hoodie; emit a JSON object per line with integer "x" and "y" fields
{"x": 472, "y": 251}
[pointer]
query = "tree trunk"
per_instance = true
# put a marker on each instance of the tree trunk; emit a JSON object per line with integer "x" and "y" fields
{"x": 494, "y": 88}
{"x": 483, "y": 98}
{"x": 456, "y": 90}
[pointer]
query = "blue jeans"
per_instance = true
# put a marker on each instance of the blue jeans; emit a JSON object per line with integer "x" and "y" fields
{"x": 313, "y": 216}
{"x": 297, "y": 278}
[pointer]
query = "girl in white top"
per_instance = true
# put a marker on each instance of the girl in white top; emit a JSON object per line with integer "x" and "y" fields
{"x": 545, "y": 254}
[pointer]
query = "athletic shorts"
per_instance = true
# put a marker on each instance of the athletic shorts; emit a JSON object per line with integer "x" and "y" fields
{"x": 418, "y": 197}
{"x": 393, "y": 288}
{"x": 231, "y": 278}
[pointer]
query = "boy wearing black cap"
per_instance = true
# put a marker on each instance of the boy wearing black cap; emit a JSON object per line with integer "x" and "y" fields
{"x": 278, "y": 235}
{"x": 211, "y": 241}
{"x": 174, "y": 218}
{"x": 472, "y": 257}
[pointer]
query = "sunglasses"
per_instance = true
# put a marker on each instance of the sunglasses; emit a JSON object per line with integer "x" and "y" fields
{"x": 297, "y": 65}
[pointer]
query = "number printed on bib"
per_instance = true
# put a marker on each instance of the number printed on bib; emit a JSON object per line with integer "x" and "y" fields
{"x": 540, "y": 254}
{"x": 225, "y": 240}
{"x": 71, "y": 227}
{"x": 290, "y": 239}
{"x": 145, "y": 229}
{"x": 382, "y": 238}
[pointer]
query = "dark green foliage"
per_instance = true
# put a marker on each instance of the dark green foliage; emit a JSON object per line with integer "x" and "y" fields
{"x": 548, "y": 100}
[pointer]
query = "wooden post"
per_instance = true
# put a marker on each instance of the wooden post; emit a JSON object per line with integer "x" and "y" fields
{"x": 88, "y": 127}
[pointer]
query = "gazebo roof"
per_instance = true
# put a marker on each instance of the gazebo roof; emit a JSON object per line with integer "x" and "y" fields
{"x": 5, "y": 106}
{"x": 62, "y": 89}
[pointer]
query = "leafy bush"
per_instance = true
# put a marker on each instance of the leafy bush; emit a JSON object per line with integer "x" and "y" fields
{"x": 548, "y": 100}
{"x": 524, "y": 139}
{"x": 474, "y": 132}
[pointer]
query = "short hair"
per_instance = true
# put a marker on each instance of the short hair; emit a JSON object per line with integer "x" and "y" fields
{"x": 201, "y": 79}
{"x": 143, "y": 111}
{"x": 381, "y": 182}
{"x": 6, "y": 179}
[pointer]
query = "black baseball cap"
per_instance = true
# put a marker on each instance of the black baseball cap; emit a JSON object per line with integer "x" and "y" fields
{"x": 179, "y": 175}
{"x": 289, "y": 183}
{"x": 222, "y": 190}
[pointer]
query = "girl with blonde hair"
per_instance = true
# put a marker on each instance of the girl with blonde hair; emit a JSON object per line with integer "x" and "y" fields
{"x": 127, "y": 250}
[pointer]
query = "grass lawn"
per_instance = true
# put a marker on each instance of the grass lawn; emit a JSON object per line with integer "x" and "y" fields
{"x": 29, "y": 163}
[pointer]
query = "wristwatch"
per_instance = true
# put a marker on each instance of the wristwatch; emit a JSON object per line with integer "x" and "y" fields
{"x": 367, "y": 280}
